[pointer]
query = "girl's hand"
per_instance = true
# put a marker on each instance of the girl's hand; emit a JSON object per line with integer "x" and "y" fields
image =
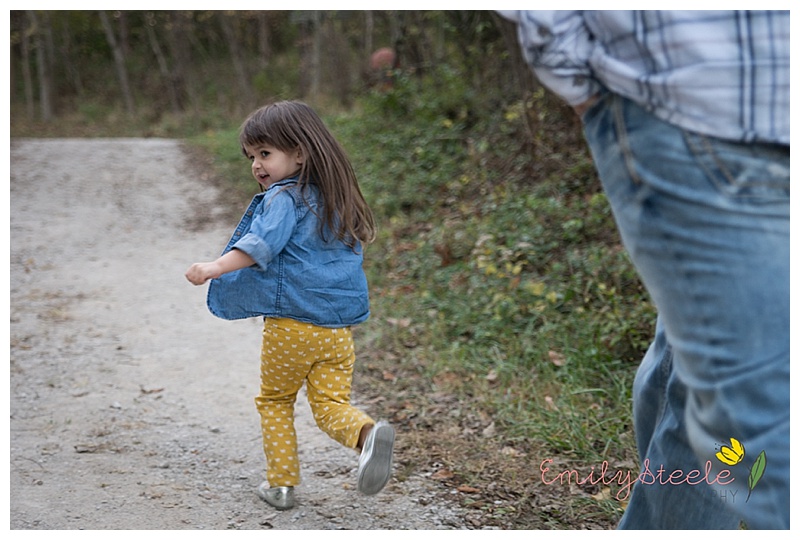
{"x": 199, "y": 273}
{"x": 235, "y": 259}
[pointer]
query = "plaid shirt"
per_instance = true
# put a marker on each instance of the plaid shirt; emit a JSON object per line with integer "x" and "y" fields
{"x": 721, "y": 73}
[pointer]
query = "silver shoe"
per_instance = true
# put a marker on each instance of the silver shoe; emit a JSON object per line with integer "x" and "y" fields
{"x": 375, "y": 462}
{"x": 281, "y": 498}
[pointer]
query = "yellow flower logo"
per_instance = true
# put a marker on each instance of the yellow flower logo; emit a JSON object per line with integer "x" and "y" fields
{"x": 731, "y": 455}
{"x": 734, "y": 454}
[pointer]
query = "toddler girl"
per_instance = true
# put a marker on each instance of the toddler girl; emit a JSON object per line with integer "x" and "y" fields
{"x": 295, "y": 259}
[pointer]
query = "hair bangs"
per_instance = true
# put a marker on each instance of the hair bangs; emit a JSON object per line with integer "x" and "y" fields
{"x": 267, "y": 126}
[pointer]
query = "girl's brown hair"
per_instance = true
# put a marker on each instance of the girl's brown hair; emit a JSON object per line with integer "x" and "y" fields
{"x": 289, "y": 125}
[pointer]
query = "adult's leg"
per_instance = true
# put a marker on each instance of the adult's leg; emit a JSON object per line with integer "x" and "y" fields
{"x": 706, "y": 223}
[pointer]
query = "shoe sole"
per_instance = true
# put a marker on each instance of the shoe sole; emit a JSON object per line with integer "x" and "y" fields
{"x": 378, "y": 467}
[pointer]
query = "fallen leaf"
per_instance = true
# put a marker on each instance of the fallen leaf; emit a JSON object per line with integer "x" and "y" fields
{"x": 550, "y": 403}
{"x": 442, "y": 474}
{"x": 603, "y": 495}
{"x": 556, "y": 358}
{"x": 512, "y": 452}
{"x": 468, "y": 489}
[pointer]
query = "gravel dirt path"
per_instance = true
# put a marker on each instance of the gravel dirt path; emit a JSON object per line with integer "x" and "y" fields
{"x": 131, "y": 406}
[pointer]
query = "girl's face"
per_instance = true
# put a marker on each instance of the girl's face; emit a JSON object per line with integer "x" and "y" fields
{"x": 270, "y": 165}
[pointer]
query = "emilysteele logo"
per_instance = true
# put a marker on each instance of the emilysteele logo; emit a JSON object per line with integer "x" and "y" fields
{"x": 729, "y": 455}
{"x": 625, "y": 479}
{"x": 734, "y": 454}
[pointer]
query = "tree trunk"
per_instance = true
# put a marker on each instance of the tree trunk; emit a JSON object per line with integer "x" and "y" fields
{"x": 316, "y": 44}
{"x": 337, "y": 62}
{"x": 369, "y": 47}
{"x": 124, "y": 33}
{"x": 237, "y": 60}
{"x": 28, "y": 28}
{"x": 119, "y": 62}
{"x": 163, "y": 67}
{"x": 73, "y": 75}
{"x": 264, "y": 50}
{"x": 181, "y": 54}
{"x": 42, "y": 70}
{"x": 49, "y": 47}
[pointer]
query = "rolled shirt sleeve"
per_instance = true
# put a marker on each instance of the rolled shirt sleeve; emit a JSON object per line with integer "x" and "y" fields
{"x": 273, "y": 223}
{"x": 557, "y": 45}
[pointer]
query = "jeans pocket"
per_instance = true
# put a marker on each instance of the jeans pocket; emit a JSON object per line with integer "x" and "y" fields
{"x": 742, "y": 170}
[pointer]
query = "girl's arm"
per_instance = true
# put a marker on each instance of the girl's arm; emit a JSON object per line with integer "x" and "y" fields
{"x": 201, "y": 272}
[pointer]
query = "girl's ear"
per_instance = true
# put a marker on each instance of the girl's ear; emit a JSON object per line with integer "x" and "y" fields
{"x": 300, "y": 157}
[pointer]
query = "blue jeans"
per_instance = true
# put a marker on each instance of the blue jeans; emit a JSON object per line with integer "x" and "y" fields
{"x": 706, "y": 223}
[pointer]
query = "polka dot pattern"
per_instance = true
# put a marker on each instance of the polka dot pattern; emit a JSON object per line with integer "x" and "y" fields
{"x": 293, "y": 353}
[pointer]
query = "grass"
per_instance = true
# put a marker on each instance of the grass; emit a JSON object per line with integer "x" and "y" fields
{"x": 507, "y": 321}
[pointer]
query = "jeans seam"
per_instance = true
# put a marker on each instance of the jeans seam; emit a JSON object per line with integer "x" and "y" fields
{"x": 719, "y": 163}
{"x": 624, "y": 142}
{"x": 705, "y": 147}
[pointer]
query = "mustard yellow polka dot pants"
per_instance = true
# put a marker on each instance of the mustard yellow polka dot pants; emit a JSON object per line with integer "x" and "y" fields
{"x": 292, "y": 353}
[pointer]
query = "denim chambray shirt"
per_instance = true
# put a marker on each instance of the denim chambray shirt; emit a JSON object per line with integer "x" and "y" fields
{"x": 296, "y": 274}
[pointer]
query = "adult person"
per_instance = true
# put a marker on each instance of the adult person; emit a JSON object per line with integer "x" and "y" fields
{"x": 687, "y": 117}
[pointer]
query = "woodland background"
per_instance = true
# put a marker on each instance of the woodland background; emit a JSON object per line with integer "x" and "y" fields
{"x": 155, "y": 64}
